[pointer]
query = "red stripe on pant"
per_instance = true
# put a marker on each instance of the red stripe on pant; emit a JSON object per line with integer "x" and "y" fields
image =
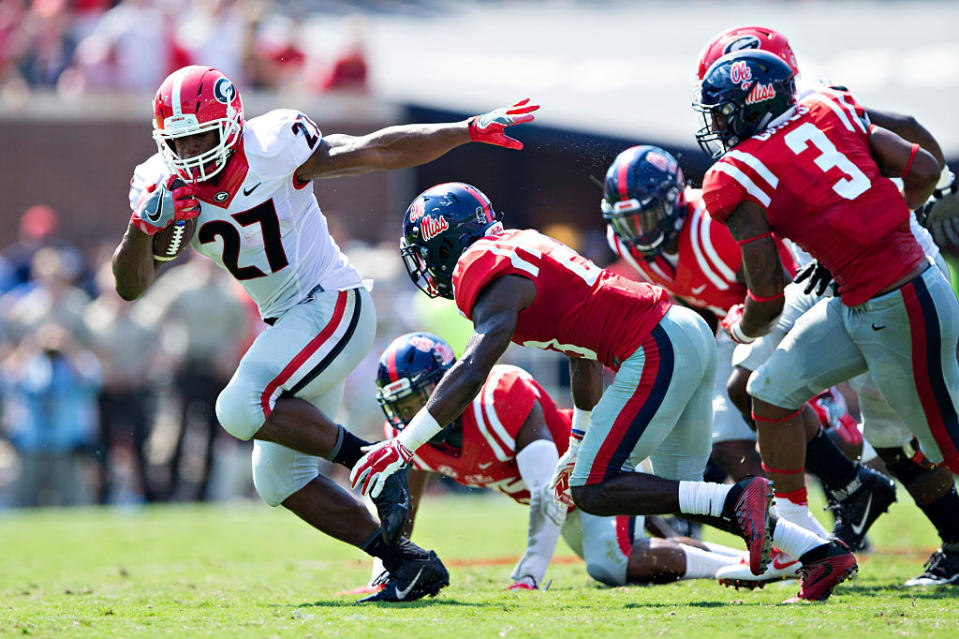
{"x": 624, "y": 420}
{"x": 920, "y": 372}
{"x": 623, "y": 538}
{"x": 303, "y": 355}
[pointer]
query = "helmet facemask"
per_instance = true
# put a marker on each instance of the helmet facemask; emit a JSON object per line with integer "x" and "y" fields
{"x": 203, "y": 166}
{"x": 648, "y": 225}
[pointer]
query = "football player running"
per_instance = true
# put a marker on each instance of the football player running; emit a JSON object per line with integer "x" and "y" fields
{"x": 931, "y": 486}
{"x": 814, "y": 172}
{"x": 248, "y": 185}
{"x": 509, "y": 439}
{"x": 524, "y": 287}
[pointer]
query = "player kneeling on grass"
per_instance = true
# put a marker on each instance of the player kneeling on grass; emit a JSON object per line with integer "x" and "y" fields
{"x": 509, "y": 439}
{"x": 522, "y": 286}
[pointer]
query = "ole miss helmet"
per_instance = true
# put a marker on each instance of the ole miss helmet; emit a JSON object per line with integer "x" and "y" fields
{"x": 740, "y": 95}
{"x": 643, "y": 198}
{"x": 195, "y": 100}
{"x": 411, "y": 366}
{"x": 438, "y": 226}
{"x": 750, "y": 37}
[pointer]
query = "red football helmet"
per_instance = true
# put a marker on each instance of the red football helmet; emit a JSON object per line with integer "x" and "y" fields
{"x": 192, "y": 100}
{"x": 751, "y": 37}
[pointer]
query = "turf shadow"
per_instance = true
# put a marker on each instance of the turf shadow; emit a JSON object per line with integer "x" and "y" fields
{"x": 419, "y": 603}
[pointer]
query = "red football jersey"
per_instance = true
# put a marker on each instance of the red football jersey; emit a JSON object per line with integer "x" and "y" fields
{"x": 487, "y": 456}
{"x": 706, "y": 262}
{"x": 580, "y": 309}
{"x": 814, "y": 175}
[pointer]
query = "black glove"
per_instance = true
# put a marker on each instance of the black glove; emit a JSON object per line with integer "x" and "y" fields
{"x": 940, "y": 214}
{"x": 818, "y": 275}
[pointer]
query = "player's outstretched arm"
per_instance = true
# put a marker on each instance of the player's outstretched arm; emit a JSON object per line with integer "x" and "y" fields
{"x": 400, "y": 147}
{"x": 134, "y": 268}
{"x": 898, "y": 158}
{"x": 763, "y": 269}
{"x": 494, "y": 322}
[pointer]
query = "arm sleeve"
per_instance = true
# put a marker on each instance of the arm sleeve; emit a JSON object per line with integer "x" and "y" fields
{"x": 536, "y": 463}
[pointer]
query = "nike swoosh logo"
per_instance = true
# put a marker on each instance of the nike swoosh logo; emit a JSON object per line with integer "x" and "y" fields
{"x": 401, "y": 594}
{"x": 877, "y": 328}
{"x": 155, "y": 214}
{"x": 251, "y": 189}
{"x": 485, "y": 466}
{"x": 699, "y": 289}
{"x": 862, "y": 524}
{"x": 783, "y": 565}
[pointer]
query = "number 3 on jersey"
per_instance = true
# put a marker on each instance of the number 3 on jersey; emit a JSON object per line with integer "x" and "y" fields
{"x": 264, "y": 215}
{"x": 849, "y": 187}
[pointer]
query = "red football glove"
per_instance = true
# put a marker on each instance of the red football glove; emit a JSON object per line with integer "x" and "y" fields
{"x": 380, "y": 461}
{"x": 732, "y": 324}
{"x": 488, "y": 127}
{"x": 163, "y": 203}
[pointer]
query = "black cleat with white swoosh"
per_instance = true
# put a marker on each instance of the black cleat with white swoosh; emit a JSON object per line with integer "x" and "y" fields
{"x": 856, "y": 512}
{"x": 421, "y": 575}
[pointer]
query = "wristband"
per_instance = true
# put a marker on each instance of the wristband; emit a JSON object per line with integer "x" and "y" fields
{"x": 736, "y": 332}
{"x": 753, "y": 239}
{"x": 422, "y": 428}
{"x": 915, "y": 150}
{"x": 581, "y": 420}
{"x": 757, "y": 298}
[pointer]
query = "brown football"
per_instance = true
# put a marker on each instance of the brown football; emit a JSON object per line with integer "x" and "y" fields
{"x": 170, "y": 243}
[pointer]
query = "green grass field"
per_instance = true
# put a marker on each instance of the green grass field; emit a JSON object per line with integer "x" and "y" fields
{"x": 251, "y": 571}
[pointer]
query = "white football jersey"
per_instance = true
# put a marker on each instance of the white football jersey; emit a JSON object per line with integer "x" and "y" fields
{"x": 264, "y": 226}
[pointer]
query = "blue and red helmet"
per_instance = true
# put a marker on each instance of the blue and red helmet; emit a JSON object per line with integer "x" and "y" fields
{"x": 643, "y": 199}
{"x": 410, "y": 366}
{"x": 740, "y": 95}
{"x": 438, "y": 226}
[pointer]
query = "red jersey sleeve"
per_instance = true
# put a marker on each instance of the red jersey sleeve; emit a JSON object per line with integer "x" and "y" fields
{"x": 502, "y": 407}
{"x": 483, "y": 262}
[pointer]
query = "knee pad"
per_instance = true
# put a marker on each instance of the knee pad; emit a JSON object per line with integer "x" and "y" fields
{"x": 238, "y": 410}
{"x": 278, "y": 472}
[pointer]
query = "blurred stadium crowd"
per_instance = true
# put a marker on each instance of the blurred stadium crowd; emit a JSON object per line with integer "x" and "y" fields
{"x": 78, "y": 46}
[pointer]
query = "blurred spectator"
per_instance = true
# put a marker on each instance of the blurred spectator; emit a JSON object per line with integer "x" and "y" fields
{"x": 213, "y": 32}
{"x": 49, "y": 296}
{"x": 39, "y": 227}
{"x": 49, "y": 387}
{"x": 126, "y": 349}
{"x": 273, "y": 58}
{"x": 349, "y": 69}
{"x": 130, "y": 48}
{"x": 204, "y": 322}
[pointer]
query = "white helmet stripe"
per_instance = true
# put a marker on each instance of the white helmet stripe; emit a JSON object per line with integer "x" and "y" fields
{"x": 177, "y": 84}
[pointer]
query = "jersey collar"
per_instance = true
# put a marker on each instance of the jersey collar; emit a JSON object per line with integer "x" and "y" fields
{"x": 224, "y": 186}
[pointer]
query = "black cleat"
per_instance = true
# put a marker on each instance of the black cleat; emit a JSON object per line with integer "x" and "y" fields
{"x": 420, "y": 575}
{"x": 393, "y": 506}
{"x": 857, "y": 511}
{"x": 942, "y": 569}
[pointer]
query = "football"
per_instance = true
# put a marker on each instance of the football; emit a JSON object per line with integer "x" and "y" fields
{"x": 170, "y": 243}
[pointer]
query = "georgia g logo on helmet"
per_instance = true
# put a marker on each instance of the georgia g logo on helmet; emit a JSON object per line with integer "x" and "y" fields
{"x": 224, "y": 91}
{"x": 742, "y": 42}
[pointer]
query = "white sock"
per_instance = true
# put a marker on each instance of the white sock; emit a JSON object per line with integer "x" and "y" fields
{"x": 799, "y": 514}
{"x": 702, "y": 497}
{"x": 719, "y": 549}
{"x": 701, "y": 564}
{"x": 795, "y": 540}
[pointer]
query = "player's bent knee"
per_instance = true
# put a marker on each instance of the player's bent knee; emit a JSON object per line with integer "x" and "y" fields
{"x": 233, "y": 411}
{"x": 274, "y": 484}
{"x": 606, "y": 572}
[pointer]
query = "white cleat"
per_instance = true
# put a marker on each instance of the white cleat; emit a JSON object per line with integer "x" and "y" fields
{"x": 781, "y": 566}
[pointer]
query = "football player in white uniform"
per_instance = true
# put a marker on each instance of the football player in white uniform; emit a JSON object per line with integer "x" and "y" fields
{"x": 248, "y": 186}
